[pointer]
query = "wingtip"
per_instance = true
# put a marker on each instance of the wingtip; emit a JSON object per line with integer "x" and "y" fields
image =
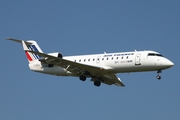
{"x": 13, "y": 39}
{"x": 8, "y": 38}
{"x": 122, "y": 85}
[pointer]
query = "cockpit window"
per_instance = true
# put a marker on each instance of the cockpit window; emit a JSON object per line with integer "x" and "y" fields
{"x": 154, "y": 54}
{"x": 159, "y": 55}
{"x": 151, "y": 54}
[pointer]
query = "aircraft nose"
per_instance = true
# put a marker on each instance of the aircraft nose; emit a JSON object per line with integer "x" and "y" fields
{"x": 169, "y": 63}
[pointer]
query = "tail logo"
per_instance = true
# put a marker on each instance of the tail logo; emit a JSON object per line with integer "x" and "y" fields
{"x": 32, "y": 56}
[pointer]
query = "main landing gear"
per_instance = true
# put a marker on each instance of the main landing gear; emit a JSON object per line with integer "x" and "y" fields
{"x": 158, "y": 76}
{"x": 97, "y": 81}
{"x": 82, "y": 77}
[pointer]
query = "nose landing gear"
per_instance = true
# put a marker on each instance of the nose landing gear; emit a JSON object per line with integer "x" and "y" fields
{"x": 158, "y": 76}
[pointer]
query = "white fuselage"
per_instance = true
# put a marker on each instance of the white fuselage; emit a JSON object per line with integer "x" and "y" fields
{"x": 120, "y": 62}
{"x": 101, "y": 68}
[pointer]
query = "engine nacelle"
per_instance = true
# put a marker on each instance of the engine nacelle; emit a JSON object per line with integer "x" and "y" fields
{"x": 46, "y": 60}
{"x": 56, "y": 54}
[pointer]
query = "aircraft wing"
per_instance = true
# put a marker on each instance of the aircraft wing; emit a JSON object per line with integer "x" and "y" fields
{"x": 78, "y": 68}
{"x": 112, "y": 79}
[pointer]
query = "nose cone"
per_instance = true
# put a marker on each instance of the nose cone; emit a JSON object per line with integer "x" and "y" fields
{"x": 169, "y": 64}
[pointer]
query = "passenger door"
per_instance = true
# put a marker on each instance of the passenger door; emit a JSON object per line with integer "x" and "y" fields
{"x": 138, "y": 59}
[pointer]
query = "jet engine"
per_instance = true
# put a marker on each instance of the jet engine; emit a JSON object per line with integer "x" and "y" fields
{"x": 46, "y": 60}
{"x": 56, "y": 54}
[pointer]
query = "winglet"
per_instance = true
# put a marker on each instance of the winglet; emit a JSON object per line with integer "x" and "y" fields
{"x": 119, "y": 83}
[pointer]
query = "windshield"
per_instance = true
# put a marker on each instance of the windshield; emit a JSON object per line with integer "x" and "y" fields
{"x": 155, "y": 54}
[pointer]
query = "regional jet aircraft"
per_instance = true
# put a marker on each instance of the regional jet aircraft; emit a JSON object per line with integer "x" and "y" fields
{"x": 101, "y": 68}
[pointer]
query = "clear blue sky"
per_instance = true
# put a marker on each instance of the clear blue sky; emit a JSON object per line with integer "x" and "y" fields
{"x": 85, "y": 27}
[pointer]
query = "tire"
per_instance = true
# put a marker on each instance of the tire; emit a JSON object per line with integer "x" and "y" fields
{"x": 97, "y": 83}
{"x": 82, "y": 77}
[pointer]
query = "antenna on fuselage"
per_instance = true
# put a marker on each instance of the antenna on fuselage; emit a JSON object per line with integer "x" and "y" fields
{"x": 135, "y": 50}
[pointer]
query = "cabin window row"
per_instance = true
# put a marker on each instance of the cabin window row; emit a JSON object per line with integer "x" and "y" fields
{"x": 80, "y": 60}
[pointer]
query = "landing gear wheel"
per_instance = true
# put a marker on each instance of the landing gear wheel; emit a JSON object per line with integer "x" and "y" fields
{"x": 97, "y": 83}
{"x": 158, "y": 77}
{"x": 82, "y": 77}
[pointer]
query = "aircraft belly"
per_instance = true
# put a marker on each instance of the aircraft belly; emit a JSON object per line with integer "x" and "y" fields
{"x": 55, "y": 70}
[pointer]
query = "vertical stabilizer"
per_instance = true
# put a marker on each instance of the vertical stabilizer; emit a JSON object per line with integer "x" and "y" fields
{"x": 32, "y": 46}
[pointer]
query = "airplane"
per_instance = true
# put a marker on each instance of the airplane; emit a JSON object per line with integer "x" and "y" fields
{"x": 101, "y": 68}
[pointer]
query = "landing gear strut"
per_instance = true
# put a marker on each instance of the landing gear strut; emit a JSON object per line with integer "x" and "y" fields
{"x": 158, "y": 76}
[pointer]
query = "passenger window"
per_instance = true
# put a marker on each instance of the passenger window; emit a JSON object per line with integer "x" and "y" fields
{"x": 117, "y": 57}
{"x": 88, "y": 59}
{"x": 112, "y": 58}
{"x": 107, "y": 58}
{"x": 93, "y": 59}
{"x": 80, "y": 60}
{"x": 102, "y": 58}
{"x": 121, "y": 57}
{"x": 127, "y": 57}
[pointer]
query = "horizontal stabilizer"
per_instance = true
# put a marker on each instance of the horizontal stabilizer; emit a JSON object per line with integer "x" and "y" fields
{"x": 29, "y": 45}
{"x": 19, "y": 41}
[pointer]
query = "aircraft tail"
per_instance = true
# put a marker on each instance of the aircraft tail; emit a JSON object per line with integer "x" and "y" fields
{"x": 29, "y": 45}
{"x": 33, "y": 46}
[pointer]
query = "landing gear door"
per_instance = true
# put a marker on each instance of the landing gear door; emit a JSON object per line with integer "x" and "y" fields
{"x": 138, "y": 59}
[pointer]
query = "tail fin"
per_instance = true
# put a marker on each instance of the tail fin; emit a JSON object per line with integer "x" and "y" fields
{"x": 33, "y": 46}
{"x": 29, "y": 45}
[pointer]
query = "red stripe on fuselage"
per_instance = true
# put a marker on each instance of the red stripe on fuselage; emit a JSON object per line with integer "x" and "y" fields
{"x": 28, "y": 56}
